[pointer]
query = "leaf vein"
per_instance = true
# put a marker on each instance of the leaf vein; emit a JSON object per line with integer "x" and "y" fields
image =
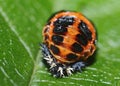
{"x": 13, "y": 29}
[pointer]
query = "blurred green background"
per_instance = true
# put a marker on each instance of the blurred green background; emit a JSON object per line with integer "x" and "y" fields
{"x": 21, "y": 23}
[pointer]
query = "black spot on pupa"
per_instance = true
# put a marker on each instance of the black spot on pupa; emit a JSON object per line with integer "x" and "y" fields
{"x": 57, "y": 39}
{"x": 59, "y": 30}
{"x": 71, "y": 56}
{"x": 84, "y": 29}
{"x": 64, "y": 21}
{"x": 55, "y": 49}
{"x": 77, "y": 48}
{"x": 81, "y": 39}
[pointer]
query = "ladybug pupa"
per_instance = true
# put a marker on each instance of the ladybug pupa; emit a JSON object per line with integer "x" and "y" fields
{"x": 69, "y": 39}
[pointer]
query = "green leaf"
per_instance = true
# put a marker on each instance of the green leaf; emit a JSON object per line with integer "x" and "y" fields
{"x": 21, "y": 23}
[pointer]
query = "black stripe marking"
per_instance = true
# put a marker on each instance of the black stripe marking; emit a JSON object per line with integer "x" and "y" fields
{"x": 46, "y": 29}
{"x": 84, "y": 29}
{"x": 46, "y": 37}
{"x": 81, "y": 39}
